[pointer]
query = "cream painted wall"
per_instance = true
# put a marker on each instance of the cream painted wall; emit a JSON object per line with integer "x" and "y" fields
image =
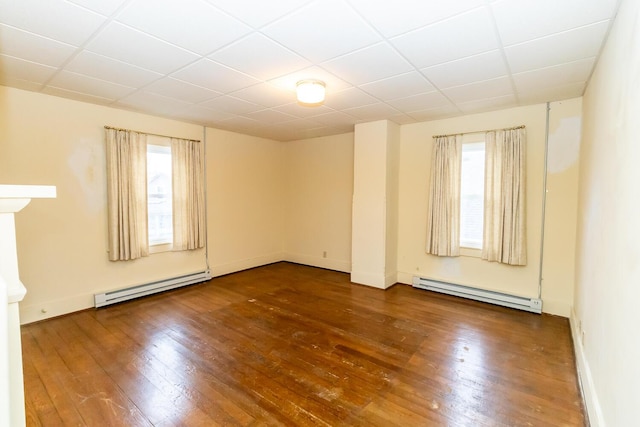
{"x": 319, "y": 188}
{"x": 565, "y": 120}
{"x": 375, "y": 157}
{"x": 245, "y": 202}
{"x": 606, "y": 316}
{"x": 415, "y": 160}
{"x": 62, "y": 242}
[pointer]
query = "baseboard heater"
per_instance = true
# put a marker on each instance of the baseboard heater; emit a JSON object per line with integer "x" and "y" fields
{"x": 533, "y": 305}
{"x": 138, "y": 291}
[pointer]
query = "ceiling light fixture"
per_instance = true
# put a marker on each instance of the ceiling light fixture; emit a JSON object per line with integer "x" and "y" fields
{"x": 310, "y": 92}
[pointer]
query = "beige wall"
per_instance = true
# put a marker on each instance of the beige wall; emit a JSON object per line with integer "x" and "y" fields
{"x": 562, "y": 206}
{"x": 415, "y": 160}
{"x": 319, "y": 187}
{"x": 606, "y": 315}
{"x": 245, "y": 201}
{"x": 62, "y": 242}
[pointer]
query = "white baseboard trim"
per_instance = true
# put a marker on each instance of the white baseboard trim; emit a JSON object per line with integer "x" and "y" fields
{"x": 369, "y": 279}
{"x": 46, "y": 310}
{"x": 589, "y": 394}
{"x": 245, "y": 264}
{"x": 314, "y": 261}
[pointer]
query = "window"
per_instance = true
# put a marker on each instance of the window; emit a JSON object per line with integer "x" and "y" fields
{"x": 472, "y": 195}
{"x": 159, "y": 195}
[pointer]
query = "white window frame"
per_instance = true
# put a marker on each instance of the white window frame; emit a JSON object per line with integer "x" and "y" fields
{"x": 162, "y": 145}
{"x": 471, "y": 142}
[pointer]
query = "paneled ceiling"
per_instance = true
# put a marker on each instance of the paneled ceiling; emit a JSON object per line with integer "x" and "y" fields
{"x": 233, "y": 64}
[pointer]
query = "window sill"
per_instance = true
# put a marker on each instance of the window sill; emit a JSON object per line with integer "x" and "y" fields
{"x": 163, "y": 247}
{"x": 471, "y": 252}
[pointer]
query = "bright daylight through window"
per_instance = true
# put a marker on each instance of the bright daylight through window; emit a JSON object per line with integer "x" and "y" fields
{"x": 160, "y": 210}
{"x": 472, "y": 195}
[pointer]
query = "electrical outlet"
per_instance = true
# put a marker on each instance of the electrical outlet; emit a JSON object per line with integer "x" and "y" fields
{"x": 582, "y": 338}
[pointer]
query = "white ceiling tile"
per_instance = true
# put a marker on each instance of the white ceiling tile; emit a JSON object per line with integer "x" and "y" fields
{"x": 258, "y": 13}
{"x": 270, "y": 116}
{"x": 372, "y": 112}
{"x": 311, "y": 31}
{"x": 548, "y": 94}
{"x": 399, "y": 86}
{"x": 104, "y": 68}
{"x": 214, "y": 76}
{"x": 178, "y": 89}
{"x": 559, "y": 75}
{"x": 191, "y": 24}
{"x": 77, "y": 96}
{"x": 488, "y": 104}
{"x": 480, "y": 90}
{"x": 335, "y": 118}
{"x": 265, "y": 94}
{"x": 402, "y": 119}
{"x": 56, "y": 19}
{"x": 349, "y": 98}
{"x": 103, "y": 7}
{"x": 419, "y": 102}
{"x": 583, "y": 42}
{"x": 89, "y": 85}
{"x": 400, "y": 16}
{"x": 20, "y": 69}
{"x": 369, "y": 64}
{"x": 455, "y": 38}
{"x": 485, "y": 66}
{"x": 9, "y": 81}
{"x": 260, "y": 57}
{"x": 230, "y": 104}
{"x": 134, "y": 47}
{"x": 200, "y": 114}
{"x": 31, "y": 47}
{"x": 447, "y": 110}
{"x": 152, "y": 103}
{"x": 522, "y": 20}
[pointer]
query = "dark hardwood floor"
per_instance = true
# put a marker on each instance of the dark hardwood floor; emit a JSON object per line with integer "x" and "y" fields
{"x": 292, "y": 345}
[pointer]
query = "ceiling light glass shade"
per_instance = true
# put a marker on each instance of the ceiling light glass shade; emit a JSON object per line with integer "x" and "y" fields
{"x": 310, "y": 92}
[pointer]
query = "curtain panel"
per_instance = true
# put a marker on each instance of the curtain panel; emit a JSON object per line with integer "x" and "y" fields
{"x": 443, "y": 221}
{"x": 187, "y": 162}
{"x": 126, "y": 194}
{"x": 504, "y": 237}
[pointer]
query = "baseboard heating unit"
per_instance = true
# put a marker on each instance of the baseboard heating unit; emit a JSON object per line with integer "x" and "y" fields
{"x": 138, "y": 291}
{"x": 533, "y": 305}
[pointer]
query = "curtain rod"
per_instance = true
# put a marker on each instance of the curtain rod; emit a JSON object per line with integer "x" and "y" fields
{"x": 479, "y": 131}
{"x": 149, "y": 133}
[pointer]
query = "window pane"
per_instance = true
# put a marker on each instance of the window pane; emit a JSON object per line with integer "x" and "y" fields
{"x": 160, "y": 213}
{"x": 472, "y": 195}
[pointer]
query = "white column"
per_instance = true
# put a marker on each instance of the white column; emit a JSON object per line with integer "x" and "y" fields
{"x": 12, "y": 199}
{"x": 375, "y": 204}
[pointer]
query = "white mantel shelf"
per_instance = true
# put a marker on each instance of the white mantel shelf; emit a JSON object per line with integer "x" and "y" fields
{"x": 13, "y": 198}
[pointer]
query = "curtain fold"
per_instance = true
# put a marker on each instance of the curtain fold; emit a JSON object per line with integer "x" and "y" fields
{"x": 187, "y": 163}
{"x": 127, "y": 194}
{"x": 443, "y": 222}
{"x": 504, "y": 237}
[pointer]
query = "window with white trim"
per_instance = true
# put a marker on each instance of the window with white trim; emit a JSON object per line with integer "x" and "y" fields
{"x": 472, "y": 194}
{"x": 159, "y": 195}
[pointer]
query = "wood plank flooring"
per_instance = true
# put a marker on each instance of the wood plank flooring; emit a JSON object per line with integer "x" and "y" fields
{"x": 287, "y": 344}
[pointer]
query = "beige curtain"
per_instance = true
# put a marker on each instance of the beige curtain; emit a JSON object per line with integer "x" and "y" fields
{"x": 188, "y": 194}
{"x": 443, "y": 222}
{"x": 505, "y": 238}
{"x": 127, "y": 194}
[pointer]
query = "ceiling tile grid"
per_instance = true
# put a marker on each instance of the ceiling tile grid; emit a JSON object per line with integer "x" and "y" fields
{"x": 234, "y": 64}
